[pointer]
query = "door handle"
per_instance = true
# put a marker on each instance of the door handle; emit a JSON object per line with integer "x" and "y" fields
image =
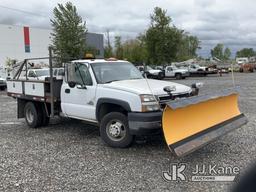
{"x": 67, "y": 90}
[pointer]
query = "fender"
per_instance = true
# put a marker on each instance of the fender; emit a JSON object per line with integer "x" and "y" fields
{"x": 122, "y": 103}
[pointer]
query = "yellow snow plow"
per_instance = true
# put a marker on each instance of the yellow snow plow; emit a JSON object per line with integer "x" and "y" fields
{"x": 191, "y": 123}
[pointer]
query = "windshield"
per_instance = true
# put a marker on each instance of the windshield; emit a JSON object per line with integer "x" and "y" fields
{"x": 149, "y": 68}
{"x": 40, "y": 73}
{"x": 174, "y": 67}
{"x": 115, "y": 71}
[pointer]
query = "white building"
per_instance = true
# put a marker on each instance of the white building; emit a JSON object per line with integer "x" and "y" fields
{"x": 20, "y": 42}
{"x": 242, "y": 60}
{"x": 12, "y": 42}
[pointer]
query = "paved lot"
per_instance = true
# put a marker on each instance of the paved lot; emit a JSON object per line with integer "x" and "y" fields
{"x": 70, "y": 156}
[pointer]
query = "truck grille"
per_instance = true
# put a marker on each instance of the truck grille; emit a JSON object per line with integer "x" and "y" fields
{"x": 163, "y": 99}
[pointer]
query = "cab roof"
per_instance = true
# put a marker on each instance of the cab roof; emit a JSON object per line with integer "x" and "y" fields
{"x": 91, "y": 61}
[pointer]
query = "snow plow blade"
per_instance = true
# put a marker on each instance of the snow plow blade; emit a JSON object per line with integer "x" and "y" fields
{"x": 191, "y": 123}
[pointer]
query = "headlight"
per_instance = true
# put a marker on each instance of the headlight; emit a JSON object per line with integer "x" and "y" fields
{"x": 147, "y": 98}
{"x": 197, "y": 85}
{"x": 195, "y": 88}
{"x": 149, "y": 103}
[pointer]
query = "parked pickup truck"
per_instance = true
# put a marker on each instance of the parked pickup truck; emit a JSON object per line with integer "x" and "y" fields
{"x": 151, "y": 73}
{"x": 173, "y": 71}
{"x": 110, "y": 93}
{"x": 195, "y": 69}
{"x": 42, "y": 73}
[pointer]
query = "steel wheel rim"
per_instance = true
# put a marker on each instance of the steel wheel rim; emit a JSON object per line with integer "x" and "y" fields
{"x": 116, "y": 130}
{"x": 29, "y": 116}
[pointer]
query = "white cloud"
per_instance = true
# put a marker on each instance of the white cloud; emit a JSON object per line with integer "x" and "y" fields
{"x": 214, "y": 21}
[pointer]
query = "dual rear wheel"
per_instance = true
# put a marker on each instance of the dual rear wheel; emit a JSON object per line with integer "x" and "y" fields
{"x": 35, "y": 115}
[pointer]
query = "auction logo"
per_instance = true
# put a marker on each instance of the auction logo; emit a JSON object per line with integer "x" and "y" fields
{"x": 201, "y": 173}
{"x": 175, "y": 173}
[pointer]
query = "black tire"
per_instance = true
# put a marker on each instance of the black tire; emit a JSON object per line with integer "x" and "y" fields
{"x": 2, "y": 88}
{"x": 109, "y": 133}
{"x": 178, "y": 76}
{"x": 160, "y": 76}
{"x": 45, "y": 118}
{"x": 183, "y": 77}
{"x": 33, "y": 115}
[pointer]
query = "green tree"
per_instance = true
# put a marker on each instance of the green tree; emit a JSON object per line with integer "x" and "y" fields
{"x": 118, "y": 47}
{"x": 188, "y": 46}
{"x": 227, "y": 53}
{"x": 108, "y": 50}
{"x": 245, "y": 52}
{"x": 69, "y": 32}
{"x": 217, "y": 51}
{"x": 161, "y": 39}
{"x": 134, "y": 51}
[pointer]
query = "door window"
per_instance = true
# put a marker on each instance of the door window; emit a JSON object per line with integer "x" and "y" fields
{"x": 31, "y": 74}
{"x": 78, "y": 73}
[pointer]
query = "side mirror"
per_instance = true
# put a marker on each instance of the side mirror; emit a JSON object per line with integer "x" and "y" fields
{"x": 72, "y": 84}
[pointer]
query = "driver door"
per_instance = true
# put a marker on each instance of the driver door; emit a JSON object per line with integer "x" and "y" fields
{"x": 78, "y": 92}
{"x": 169, "y": 72}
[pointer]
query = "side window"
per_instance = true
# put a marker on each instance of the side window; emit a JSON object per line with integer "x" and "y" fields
{"x": 55, "y": 72}
{"x": 31, "y": 74}
{"x": 169, "y": 69}
{"x": 78, "y": 73}
{"x": 61, "y": 72}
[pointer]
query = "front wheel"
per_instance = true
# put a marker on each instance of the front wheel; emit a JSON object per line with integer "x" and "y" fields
{"x": 114, "y": 130}
{"x": 178, "y": 76}
{"x": 160, "y": 76}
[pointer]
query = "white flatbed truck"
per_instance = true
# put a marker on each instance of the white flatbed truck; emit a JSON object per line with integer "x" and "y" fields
{"x": 110, "y": 93}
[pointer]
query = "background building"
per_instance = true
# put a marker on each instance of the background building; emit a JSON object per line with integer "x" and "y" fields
{"x": 18, "y": 42}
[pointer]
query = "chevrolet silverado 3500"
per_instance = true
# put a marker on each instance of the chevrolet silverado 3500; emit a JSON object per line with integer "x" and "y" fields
{"x": 110, "y": 93}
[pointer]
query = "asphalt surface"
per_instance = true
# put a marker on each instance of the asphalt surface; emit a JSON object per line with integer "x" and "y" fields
{"x": 69, "y": 155}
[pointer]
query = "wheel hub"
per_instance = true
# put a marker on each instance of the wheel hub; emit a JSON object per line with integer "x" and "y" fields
{"x": 115, "y": 129}
{"x": 29, "y": 116}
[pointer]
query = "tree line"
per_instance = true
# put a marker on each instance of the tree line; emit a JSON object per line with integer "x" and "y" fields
{"x": 161, "y": 43}
{"x": 224, "y": 53}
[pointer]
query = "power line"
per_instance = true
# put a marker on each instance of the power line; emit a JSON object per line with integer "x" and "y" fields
{"x": 22, "y": 11}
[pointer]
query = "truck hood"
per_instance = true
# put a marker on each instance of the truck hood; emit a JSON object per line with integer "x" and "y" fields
{"x": 140, "y": 86}
{"x": 154, "y": 71}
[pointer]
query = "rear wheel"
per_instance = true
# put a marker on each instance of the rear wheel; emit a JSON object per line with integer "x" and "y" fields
{"x": 33, "y": 115}
{"x": 114, "y": 130}
{"x": 178, "y": 76}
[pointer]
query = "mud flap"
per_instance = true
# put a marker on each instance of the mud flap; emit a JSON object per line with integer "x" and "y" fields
{"x": 191, "y": 123}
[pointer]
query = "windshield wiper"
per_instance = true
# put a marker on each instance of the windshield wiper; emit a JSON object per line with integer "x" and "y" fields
{"x": 136, "y": 78}
{"x": 112, "y": 81}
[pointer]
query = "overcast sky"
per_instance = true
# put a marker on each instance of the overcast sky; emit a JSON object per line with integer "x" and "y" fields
{"x": 231, "y": 22}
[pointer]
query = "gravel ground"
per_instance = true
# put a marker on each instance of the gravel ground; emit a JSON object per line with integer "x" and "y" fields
{"x": 69, "y": 155}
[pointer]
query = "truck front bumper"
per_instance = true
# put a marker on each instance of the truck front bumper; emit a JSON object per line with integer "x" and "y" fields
{"x": 145, "y": 123}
